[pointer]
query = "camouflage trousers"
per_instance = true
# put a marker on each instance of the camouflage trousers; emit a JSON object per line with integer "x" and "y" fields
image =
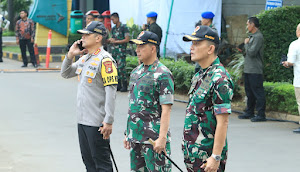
{"x": 144, "y": 159}
{"x": 193, "y": 163}
{"x": 121, "y": 61}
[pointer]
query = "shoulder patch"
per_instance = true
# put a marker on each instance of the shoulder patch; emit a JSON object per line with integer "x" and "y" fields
{"x": 109, "y": 72}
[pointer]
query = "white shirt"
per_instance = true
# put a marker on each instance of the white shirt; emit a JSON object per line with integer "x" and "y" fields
{"x": 294, "y": 57}
{"x": 3, "y": 20}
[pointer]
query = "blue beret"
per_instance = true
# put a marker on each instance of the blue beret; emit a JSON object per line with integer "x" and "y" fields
{"x": 152, "y": 14}
{"x": 208, "y": 15}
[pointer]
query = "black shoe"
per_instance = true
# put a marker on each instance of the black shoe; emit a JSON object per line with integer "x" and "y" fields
{"x": 34, "y": 65}
{"x": 1, "y": 60}
{"x": 245, "y": 116}
{"x": 24, "y": 66}
{"x": 258, "y": 119}
{"x": 297, "y": 131}
{"x": 124, "y": 86}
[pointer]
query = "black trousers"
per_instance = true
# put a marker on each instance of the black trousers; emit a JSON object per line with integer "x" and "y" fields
{"x": 94, "y": 149}
{"x": 255, "y": 94}
{"x": 1, "y": 53}
{"x": 27, "y": 43}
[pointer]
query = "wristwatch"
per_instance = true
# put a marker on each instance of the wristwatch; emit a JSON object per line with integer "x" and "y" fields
{"x": 216, "y": 157}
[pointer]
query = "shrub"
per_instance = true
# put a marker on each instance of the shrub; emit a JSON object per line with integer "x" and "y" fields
{"x": 181, "y": 70}
{"x": 278, "y": 27}
{"x": 281, "y": 97}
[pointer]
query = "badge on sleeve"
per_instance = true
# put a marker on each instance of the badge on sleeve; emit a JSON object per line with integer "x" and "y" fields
{"x": 109, "y": 72}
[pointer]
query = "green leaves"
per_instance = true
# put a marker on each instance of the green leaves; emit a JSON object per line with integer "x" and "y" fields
{"x": 278, "y": 27}
{"x": 280, "y": 96}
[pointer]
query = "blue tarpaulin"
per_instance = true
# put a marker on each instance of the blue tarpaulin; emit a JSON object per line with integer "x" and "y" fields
{"x": 52, "y": 14}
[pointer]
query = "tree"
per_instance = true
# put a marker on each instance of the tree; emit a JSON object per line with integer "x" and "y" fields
{"x": 13, "y": 7}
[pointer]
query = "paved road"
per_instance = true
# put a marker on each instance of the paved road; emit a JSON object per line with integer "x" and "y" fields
{"x": 38, "y": 130}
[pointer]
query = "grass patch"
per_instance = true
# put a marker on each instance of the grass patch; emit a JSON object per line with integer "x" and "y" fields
{"x": 14, "y": 49}
{"x": 8, "y": 33}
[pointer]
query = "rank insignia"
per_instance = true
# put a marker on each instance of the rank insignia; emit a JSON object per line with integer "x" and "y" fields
{"x": 96, "y": 59}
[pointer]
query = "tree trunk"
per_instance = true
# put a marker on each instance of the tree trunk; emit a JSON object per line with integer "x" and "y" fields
{"x": 11, "y": 14}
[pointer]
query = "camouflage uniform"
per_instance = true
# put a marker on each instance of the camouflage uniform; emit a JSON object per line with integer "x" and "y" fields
{"x": 210, "y": 95}
{"x": 119, "y": 50}
{"x": 149, "y": 88}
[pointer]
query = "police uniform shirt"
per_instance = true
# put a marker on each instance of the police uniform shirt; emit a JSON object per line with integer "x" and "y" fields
{"x": 97, "y": 76}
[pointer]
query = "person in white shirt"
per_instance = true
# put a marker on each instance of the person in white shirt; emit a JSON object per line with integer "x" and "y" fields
{"x": 2, "y": 22}
{"x": 294, "y": 60}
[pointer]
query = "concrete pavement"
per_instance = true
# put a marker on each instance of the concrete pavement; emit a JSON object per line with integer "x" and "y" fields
{"x": 38, "y": 130}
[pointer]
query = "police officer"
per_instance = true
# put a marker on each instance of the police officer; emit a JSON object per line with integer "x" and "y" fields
{"x": 207, "y": 19}
{"x": 151, "y": 92}
{"x": 97, "y": 77}
{"x": 152, "y": 26}
{"x": 119, "y": 40}
{"x": 206, "y": 120}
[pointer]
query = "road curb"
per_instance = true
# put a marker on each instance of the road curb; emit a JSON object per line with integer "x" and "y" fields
{"x": 18, "y": 57}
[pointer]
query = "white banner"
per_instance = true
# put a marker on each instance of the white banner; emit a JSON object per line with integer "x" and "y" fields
{"x": 184, "y": 16}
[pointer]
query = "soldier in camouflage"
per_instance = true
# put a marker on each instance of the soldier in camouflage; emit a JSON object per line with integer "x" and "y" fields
{"x": 151, "y": 91}
{"x": 204, "y": 142}
{"x": 207, "y": 19}
{"x": 119, "y": 40}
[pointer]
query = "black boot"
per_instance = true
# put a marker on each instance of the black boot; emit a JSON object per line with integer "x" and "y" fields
{"x": 246, "y": 116}
{"x": 124, "y": 86}
{"x": 119, "y": 85}
{"x": 258, "y": 118}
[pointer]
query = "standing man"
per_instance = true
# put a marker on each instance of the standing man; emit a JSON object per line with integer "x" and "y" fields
{"x": 119, "y": 40}
{"x": 25, "y": 34}
{"x": 151, "y": 95}
{"x": 204, "y": 142}
{"x": 97, "y": 77}
{"x": 253, "y": 73}
{"x": 89, "y": 18}
{"x": 6, "y": 22}
{"x": 207, "y": 19}
{"x": 294, "y": 60}
{"x": 152, "y": 26}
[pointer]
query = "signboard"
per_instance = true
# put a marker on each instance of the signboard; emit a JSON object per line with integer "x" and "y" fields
{"x": 52, "y": 14}
{"x": 270, "y": 4}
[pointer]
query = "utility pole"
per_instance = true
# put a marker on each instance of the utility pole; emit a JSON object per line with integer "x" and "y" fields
{"x": 10, "y": 9}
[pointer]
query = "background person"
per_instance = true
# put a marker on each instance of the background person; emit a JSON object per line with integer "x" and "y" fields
{"x": 6, "y": 22}
{"x": 152, "y": 26}
{"x": 294, "y": 60}
{"x": 25, "y": 33}
{"x": 118, "y": 43}
{"x": 253, "y": 73}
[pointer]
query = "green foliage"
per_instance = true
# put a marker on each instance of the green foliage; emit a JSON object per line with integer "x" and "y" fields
{"x": 73, "y": 37}
{"x": 18, "y": 5}
{"x": 236, "y": 79}
{"x": 135, "y": 30}
{"x": 281, "y": 97}
{"x": 181, "y": 70}
{"x": 278, "y": 27}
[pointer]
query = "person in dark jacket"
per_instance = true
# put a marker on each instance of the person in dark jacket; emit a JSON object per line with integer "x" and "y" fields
{"x": 253, "y": 73}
